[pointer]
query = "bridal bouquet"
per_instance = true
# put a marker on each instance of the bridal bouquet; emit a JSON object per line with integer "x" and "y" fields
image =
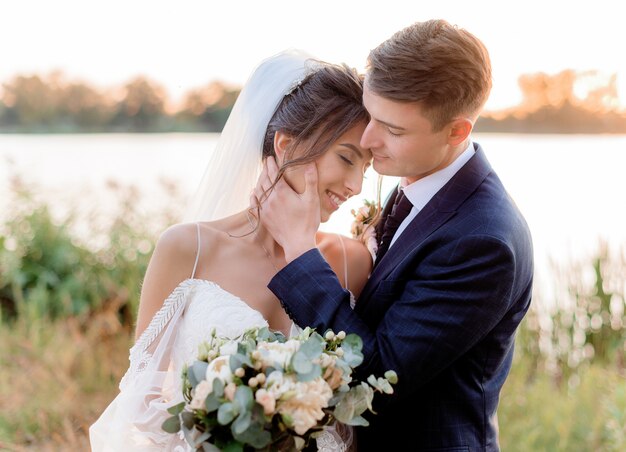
{"x": 266, "y": 392}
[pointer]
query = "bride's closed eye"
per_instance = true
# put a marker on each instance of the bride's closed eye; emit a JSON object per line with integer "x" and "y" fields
{"x": 346, "y": 160}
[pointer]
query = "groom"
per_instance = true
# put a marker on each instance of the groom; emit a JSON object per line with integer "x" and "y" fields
{"x": 453, "y": 274}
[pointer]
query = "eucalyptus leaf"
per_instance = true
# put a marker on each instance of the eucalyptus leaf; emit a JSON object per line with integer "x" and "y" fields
{"x": 188, "y": 419}
{"x": 197, "y": 372}
{"x": 354, "y": 403}
{"x": 254, "y": 435}
{"x": 226, "y": 413}
{"x": 316, "y": 371}
{"x": 358, "y": 421}
{"x": 176, "y": 409}
{"x": 238, "y": 360}
{"x": 218, "y": 388}
{"x": 391, "y": 376}
{"x": 242, "y": 423}
{"x": 352, "y": 346}
{"x": 171, "y": 424}
{"x": 301, "y": 362}
{"x": 244, "y": 398}
{"x": 211, "y": 403}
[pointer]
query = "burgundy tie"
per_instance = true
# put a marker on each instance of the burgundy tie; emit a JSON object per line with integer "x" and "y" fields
{"x": 401, "y": 208}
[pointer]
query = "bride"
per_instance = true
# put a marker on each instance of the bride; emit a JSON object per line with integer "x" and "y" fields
{"x": 213, "y": 272}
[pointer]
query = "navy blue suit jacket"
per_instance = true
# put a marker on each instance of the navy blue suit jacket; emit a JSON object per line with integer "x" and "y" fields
{"x": 441, "y": 308}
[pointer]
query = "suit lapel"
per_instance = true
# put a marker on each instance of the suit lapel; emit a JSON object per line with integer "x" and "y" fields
{"x": 435, "y": 213}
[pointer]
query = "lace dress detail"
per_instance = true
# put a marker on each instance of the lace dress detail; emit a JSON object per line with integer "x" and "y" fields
{"x": 132, "y": 422}
{"x": 139, "y": 353}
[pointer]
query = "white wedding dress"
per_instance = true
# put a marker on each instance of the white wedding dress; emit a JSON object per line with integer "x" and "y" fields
{"x": 132, "y": 422}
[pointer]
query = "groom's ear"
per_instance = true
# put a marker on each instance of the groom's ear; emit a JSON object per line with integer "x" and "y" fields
{"x": 281, "y": 144}
{"x": 460, "y": 129}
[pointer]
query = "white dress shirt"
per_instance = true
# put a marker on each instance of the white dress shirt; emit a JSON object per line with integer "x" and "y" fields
{"x": 421, "y": 191}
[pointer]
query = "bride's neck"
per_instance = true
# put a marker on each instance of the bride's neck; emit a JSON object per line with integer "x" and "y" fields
{"x": 248, "y": 222}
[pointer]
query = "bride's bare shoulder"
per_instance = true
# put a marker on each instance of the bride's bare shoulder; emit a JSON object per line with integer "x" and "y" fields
{"x": 182, "y": 240}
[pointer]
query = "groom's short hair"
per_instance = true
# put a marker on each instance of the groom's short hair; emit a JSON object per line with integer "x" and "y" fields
{"x": 443, "y": 68}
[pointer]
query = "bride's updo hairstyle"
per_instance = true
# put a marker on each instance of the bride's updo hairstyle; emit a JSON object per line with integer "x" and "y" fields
{"x": 324, "y": 105}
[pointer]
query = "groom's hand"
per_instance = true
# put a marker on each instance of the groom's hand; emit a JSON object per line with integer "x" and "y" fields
{"x": 292, "y": 218}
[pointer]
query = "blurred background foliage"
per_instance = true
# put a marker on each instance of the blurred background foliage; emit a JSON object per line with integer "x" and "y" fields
{"x": 69, "y": 295}
{"x": 565, "y": 102}
{"x": 53, "y": 104}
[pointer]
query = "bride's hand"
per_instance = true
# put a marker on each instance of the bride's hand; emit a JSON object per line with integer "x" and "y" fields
{"x": 292, "y": 218}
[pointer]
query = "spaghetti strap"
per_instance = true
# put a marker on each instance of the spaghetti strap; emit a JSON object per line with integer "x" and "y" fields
{"x": 195, "y": 265}
{"x": 345, "y": 261}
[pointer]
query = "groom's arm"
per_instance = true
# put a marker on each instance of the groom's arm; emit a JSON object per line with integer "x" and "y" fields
{"x": 311, "y": 294}
{"x": 440, "y": 309}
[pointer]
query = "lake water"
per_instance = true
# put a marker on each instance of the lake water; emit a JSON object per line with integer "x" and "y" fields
{"x": 569, "y": 187}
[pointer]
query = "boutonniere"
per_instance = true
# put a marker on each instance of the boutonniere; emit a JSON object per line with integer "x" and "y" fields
{"x": 362, "y": 227}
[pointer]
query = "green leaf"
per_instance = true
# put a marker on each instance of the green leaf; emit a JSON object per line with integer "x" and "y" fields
{"x": 358, "y": 421}
{"x": 211, "y": 403}
{"x": 188, "y": 419}
{"x": 316, "y": 371}
{"x": 242, "y": 423}
{"x": 392, "y": 376}
{"x": 218, "y": 388}
{"x": 197, "y": 372}
{"x": 226, "y": 413}
{"x": 244, "y": 398}
{"x": 171, "y": 425}
{"x": 176, "y": 409}
{"x": 254, "y": 435}
{"x": 354, "y": 403}
{"x": 352, "y": 346}
{"x": 301, "y": 363}
{"x": 238, "y": 360}
{"x": 302, "y": 360}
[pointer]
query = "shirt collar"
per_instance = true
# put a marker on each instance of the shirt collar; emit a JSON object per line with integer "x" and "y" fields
{"x": 422, "y": 190}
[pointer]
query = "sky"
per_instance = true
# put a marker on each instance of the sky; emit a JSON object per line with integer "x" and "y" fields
{"x": 185, "y": 44}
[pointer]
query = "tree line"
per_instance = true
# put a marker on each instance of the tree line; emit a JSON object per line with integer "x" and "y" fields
{"x": 52, "y": 103}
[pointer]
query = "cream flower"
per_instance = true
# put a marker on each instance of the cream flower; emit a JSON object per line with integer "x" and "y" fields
{"x": 277, "y": 385}
{"x": 229, "y": 391}
{"x": 305, "y": 406}
{"x": 219, "y": 368}
{"x": 266, "y": 400}
{"x": 334, "y": 377}
{"x": 273, "y": 353}
{"x": 200, "y": 393}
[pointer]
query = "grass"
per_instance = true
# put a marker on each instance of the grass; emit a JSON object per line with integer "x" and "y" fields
{"x": 56, "y": 378}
